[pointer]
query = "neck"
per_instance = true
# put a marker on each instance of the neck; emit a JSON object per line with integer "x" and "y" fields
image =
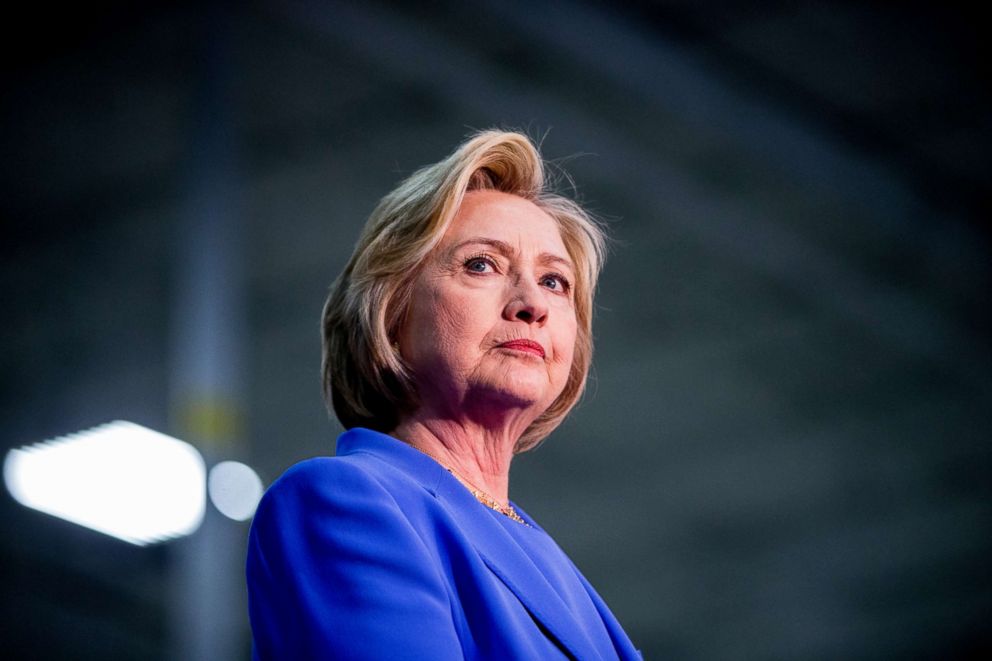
{"x": 478, "y": 455}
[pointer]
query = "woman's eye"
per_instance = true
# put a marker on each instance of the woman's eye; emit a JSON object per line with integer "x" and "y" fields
{"x": 555, "y": 283}
{"x": 479, "y": 265}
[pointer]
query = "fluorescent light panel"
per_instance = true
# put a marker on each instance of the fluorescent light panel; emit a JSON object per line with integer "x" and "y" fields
{"x": 120, "y": 479}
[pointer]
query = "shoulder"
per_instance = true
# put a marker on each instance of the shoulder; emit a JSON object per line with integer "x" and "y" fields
{"x": 338, "y": 568}
{"x": 330, "y": 482}
{"x": 333, "y": 495}
{"x": 317, "y": 473}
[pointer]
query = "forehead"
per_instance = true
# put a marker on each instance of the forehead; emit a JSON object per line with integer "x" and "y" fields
{"x": 505, "y": 217}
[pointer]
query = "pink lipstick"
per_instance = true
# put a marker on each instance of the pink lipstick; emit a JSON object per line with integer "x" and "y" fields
{"x": 530, "y": 346}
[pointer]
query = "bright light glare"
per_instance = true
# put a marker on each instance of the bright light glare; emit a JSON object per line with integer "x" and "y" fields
{"x": 234, "y": 489}
{"x": 120, "y": 478}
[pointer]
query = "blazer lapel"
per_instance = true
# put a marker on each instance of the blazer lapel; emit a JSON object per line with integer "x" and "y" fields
{"x": 495, "y": 545}
{"x": 621, "y": 642}
{"x": 513, "y": 567}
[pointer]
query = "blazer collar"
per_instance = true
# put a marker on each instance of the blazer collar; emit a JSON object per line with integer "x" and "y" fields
{"x": 494, "y": 543}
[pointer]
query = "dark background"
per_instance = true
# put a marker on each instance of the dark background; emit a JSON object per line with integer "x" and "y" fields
{"x": 784, "y": 451}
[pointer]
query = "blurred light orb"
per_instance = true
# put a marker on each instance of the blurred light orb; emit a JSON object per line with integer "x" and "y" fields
{"x": 234, "y": 489}
{"x": 120, "y": 479}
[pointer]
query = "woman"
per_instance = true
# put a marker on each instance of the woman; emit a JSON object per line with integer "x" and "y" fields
{"x": 458, "y": 336}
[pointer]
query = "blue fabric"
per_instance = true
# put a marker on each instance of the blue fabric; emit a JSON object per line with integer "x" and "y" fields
{"x": 380, "y": 553}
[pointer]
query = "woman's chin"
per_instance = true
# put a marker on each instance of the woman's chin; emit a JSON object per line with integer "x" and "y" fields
{"x": 514, "y": 391}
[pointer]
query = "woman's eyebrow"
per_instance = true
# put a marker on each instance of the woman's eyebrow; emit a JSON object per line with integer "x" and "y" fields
{"x": 501, "y": 247}
{"x": 551, "y": 258}
{"x": 507, "y": 250}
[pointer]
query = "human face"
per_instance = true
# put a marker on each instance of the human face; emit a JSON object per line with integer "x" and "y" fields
{"x": 491, "y": 322}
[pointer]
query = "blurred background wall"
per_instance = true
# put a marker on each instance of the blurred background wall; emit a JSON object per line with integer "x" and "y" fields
{"x": 784, "y": 452}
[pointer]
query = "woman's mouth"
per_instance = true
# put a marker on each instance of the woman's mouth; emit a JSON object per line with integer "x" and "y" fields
{"x": 529, "y": 346}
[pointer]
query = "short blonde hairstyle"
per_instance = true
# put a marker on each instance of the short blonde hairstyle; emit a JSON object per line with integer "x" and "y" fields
{"x": 365, "y": 380}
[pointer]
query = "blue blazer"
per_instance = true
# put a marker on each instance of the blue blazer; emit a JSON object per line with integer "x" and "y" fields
{"x": 380, "y": 553}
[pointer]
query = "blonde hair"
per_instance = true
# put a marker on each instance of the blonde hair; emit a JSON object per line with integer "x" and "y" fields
{"x": 365, "y": 381}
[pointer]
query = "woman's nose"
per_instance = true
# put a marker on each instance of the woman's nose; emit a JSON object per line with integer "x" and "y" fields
{"x": 526, "y": 304}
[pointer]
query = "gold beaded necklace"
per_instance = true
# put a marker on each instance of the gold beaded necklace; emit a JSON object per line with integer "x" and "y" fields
{"x": 480, "y": 495}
